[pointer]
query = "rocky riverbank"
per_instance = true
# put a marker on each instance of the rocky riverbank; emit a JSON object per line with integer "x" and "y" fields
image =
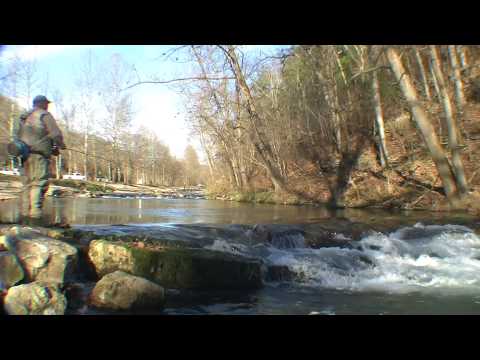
{"x": 11, "y": 188}
{"x": 56, "y": 271}
{"x": 129, "y": 269}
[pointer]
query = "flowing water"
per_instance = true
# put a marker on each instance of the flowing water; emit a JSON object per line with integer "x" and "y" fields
{"x": 414, "y": 263}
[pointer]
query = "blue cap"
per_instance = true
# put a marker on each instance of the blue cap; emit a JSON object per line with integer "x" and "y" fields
{"x": 39, "y": 99}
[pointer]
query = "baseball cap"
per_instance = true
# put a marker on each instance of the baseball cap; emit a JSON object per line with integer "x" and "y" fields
{"x": 40, "y": 99}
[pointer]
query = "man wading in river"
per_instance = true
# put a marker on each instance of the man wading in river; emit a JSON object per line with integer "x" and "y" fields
{"x": 39, "y": 131}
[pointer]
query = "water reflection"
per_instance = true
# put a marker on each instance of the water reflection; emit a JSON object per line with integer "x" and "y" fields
{"x": 83, "y": 211}
{"x": 122, "y": 211}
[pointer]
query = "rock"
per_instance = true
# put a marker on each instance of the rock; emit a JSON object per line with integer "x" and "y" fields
{"x": 122, "y": 291}
{"x": 6, "y": 242}
{"x": 55, "y": 233}
{"x": 37, "y": 298}
{"x": 61, "y": 191}
{"x": 261, "y": 232}
{"x": 279, "y": 273}
{"x": 177, "y": 267}
{"x": 48, "y": 260}
{"x": 11, "y": 271}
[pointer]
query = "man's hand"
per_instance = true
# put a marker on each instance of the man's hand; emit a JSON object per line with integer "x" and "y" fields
{"x": 55, "y": 150}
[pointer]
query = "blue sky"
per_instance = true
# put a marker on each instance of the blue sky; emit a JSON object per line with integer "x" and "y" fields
{"x": 156, "y": 107}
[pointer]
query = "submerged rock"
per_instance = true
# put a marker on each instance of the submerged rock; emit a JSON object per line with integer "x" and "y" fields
{"x": 77, "y": 295}
{"x": 177, "y": 268}
{"x": 36, "y": 298}
{"x": 11, "y": 271}
{"x": 279, "y": 273}
{"x": 122, "y": 291}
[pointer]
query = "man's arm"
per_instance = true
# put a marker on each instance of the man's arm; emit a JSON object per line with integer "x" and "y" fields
{"x": 54, "y": 131}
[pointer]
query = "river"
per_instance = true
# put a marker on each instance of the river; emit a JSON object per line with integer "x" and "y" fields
{"x": 421, "y": 262}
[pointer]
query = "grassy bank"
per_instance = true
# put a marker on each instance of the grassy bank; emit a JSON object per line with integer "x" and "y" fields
{"x": 260, "y": 197}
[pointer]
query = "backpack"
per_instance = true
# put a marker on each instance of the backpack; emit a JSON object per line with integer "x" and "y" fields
{"x": 17, "y": 148}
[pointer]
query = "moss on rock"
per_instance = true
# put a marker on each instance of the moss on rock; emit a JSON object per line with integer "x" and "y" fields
{"x": 177, "y": 268}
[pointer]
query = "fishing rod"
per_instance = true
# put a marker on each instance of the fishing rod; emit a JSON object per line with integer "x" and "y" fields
{"x": 89, "y": 155}
{"x": 6, "y": 131}
{"x": 99, "y": 157}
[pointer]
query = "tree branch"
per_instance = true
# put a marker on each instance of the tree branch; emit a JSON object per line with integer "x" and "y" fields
{"x": 175, "y": 80}
{"x": 369, "y": 70}
{"x": 6, "y": 76}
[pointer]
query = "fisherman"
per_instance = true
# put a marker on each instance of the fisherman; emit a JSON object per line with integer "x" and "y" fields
{"x": 38, "y": 130}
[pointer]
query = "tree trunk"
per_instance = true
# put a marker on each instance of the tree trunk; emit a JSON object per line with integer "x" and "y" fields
{"x": 333, "y": 111}
{"x": 256, "y": 137}
{"x": 423, "y": 74}
{"x": 379, "y": 121}
{"x": 452, "y": 127}
{"x": 154, "y": 179}
{"x": 241, "y": 149}
{"x": 12, "y": 125}
{"x": 207, "y": 152}
{"x": 460, "y": 95}
{"x": 462, "y": 52}
{"x": 75, "y": 162}
{"x": 94, "y": 151}
{"x": 425, "y": 126}
{"x": 85, "y": 150}
{"x": 435, "y": 83}
{"x": 59, "y": 167}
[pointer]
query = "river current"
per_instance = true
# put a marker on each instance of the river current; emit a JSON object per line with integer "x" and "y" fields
{"x": 421, "y": 263}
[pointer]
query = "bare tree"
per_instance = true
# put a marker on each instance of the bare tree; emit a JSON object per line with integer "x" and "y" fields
{"x": 451, "y": 123}
{"x": 263, "y": 150}
{"x": 87, "y": 84}
{"x": 460, "y": 96}
{"x": 119, "y": 109}
{"x": 379, "y": 120}
{"x": 425, "y": 126}
{"x": 423, "y": 73}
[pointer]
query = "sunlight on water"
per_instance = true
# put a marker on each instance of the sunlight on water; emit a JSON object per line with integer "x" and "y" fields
{"x": 422, "y": 258}
{"x": 419, "y": 258}
{"x": 414, "y": 269}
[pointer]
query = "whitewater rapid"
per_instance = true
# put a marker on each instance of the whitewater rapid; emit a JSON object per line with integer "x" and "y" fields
{"x": 421, "y": 258}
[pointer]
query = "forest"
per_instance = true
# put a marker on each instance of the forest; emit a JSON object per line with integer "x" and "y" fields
{"x": 345, "y": 125}
{"x": 97, "y": 126}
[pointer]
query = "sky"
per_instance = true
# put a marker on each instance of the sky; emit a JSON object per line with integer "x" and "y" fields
{"x": 157, "y": 107}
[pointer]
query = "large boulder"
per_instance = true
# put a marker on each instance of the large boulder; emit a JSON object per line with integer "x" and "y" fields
{"x": 177, "y": 268}
{"x": 36, "y": 298}
{"x": 11, "y": 271}
{"x": 42, "y": 258}
{"x": 122, "y": 291}
{"x": 46, "y": 259}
